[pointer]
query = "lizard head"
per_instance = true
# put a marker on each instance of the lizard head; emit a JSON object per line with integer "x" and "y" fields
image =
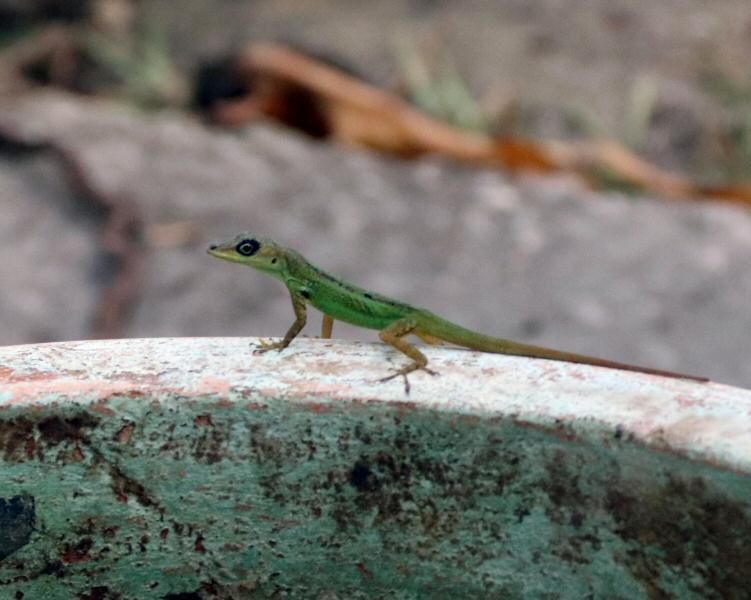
{"x": 260, "y": 253}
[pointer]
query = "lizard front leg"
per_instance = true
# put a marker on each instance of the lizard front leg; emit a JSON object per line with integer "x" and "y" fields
{"x": 393, "y": 335}
{"x": 298, "y": 305}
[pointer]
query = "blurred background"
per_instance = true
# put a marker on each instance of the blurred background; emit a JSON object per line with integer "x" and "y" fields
{"x": 566, "y": 173}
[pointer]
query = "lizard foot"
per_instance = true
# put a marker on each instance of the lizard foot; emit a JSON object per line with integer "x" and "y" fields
{"x": 266, "y": 345}
{"x": 403, "y": 372}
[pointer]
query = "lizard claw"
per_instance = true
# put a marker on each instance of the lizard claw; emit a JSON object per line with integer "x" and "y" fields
{"x": 397, "y": 373}
{"x": 266, "y": 345}
{"x": 403, "y": 372}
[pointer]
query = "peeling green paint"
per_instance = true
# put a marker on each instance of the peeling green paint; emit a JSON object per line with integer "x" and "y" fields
{"x": 250, "y": 495}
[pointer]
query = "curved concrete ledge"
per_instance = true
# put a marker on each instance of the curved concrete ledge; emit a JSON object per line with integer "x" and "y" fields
{"x": 190, "y": 468}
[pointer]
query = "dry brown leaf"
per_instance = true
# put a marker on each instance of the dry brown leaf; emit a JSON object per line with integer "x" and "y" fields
{"x": 361, "y": 114}
{"x": 615, "y": 158}
{"x": 364, "y": 115}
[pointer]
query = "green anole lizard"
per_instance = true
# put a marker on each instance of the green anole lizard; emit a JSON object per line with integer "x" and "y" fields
{"x": 338, "y": 299}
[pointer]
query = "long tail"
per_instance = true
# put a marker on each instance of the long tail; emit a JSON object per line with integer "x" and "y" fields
{"x": 455, "y": 334}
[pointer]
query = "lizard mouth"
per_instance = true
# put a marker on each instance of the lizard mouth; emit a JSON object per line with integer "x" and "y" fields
{"x": 225, "y": 253}
{"x": 218, "y": 251}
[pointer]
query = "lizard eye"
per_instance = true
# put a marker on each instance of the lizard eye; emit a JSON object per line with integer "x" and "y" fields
{"x": 248, "y": 247}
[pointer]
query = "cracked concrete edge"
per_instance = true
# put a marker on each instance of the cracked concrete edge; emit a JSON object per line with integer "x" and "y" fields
{"x": 708, "y": 422}
{"x": 143, "y": 468}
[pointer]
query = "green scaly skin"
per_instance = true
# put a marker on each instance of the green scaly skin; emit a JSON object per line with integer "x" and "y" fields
{"x": 343, "y": 301}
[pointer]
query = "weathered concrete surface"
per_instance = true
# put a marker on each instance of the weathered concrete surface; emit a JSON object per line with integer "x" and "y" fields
{"x": 190, "y": 468}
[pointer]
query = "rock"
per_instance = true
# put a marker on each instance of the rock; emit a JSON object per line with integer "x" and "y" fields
{"x": 49, "y": 257}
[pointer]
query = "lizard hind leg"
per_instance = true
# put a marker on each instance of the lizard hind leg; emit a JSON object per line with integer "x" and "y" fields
{"x": 327, "y": 326}
{"x": 394, "y": 336}
{"x": 429, "y": 339}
